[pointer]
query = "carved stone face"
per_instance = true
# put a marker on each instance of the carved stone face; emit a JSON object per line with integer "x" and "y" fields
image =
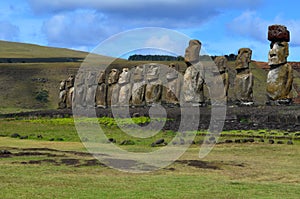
{"x": 278, "y": 53}
{"x": 139, "y": 73}
{"x": 192, "y": 52}
{"x": 101, "y": 78}
{"x": 70, "y": 81}
{"x": 221, "y": 63}
{"x": 153, "y": 72}
{"x": 172, "y": 73}
{"x": 113, "y": 76}
{"x": 244, "y": 58}
{"x": 124, "y": 76}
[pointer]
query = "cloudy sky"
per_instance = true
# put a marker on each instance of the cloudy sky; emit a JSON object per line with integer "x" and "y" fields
{"x": 223, "y": 26}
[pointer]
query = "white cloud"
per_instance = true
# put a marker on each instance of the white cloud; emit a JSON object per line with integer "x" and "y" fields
{"x": 250, "y": 25}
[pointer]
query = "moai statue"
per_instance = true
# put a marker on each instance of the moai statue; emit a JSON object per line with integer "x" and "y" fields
{"x": 125, "y": 87}
{"x": 243, "y": 83}
{"x": 91, "y": 89}
{"x": 80, "y": 89}
{"x": 62, "y": 95}
{"x": 193, "y": 79}
{"x": 113, "y": 87}
{"x": 101, "y": 91}
{"x": 70, "y": 90}
{"x": 221, "y": 63}
{"x": 171, "y": 92}
{"x": 154, "y": 86}
{"x": 280, "y": 76}
{"x": 139, "y": 86}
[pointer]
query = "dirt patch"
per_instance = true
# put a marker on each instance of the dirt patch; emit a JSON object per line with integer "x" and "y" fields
{"x": 70, "y": 161}
{"x": 198, "y": 164}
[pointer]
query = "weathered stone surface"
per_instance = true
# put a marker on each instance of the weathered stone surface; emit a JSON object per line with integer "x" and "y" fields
{"x": 279, "y": 82}
{"x": 278, "y": 33}
{"x": 153, "y": 87}
{"x": 139, "y": 86}
{"x": 80, "y": 89}
{"x": 192, "y": 52}
{"x": 91, "y": 88}
{"x": 278, "y": 53}
{"x": 70, "y": 90}
{"x": 243, "y": 59}
{"x": 193, "y": 83}
{"x": 101, "y": 91}
{"x": 113, "y": 87}
{"x": 171, "y": 91}
{"x": 221, "y": 63}
{"x": 125, "y": 87}
{"x": 280, "y": 76}
{"x": 243, "y": 83}
{"x": 62, "y": 95}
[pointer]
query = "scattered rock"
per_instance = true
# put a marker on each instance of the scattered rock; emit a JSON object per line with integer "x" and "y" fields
{"x": 271, "y": 142}
{"x": 135, "y": 115}
{"x": 262, "y": 140}
{"x": 15, "y": 135}
{"x": 24, "y": 137}
{"x": 111, "y": 140}
{"x": 290, "y": 142}
{"x": 127, "y": 142}
{"x": 158, "y": 142}
{"x": 5, "y": 152}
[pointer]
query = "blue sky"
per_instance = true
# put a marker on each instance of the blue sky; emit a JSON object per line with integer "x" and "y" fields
{"x": 222, "y": 26}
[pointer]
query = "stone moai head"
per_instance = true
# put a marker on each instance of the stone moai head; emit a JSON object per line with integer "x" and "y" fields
{"x": 70, "y": 81}
{"x": 173, "y": 71}
{"x": 153, "y": 72}
{"x": 221, "y": 63}
{"x": 101, "y": 77}
{"x": 124, "y": 76}
{"x": 279, "y": 47}
{"x": 139, "y": 73}
{"x": 192, "y": 52}
{"x": 243, "y": 59}
{"x": 113, "y": 76}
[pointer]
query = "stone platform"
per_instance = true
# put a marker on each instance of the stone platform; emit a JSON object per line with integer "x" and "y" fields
{"x": 285, "y": 118}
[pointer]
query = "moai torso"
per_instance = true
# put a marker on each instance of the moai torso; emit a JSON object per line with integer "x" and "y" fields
{"x": 280, "y": 76}
{"x": 80, "y": 89}
{"x": 91, "y": 89}
{"x": 139, "y": 86}
{"x": 62, "y": 95}
{"x": 153, "y": 87}
{"x": 101, "y": 91}
{"x": 243, "y": 83}
{"x": 171, "y": 92}
{"x": 125, "y": 87}
{"x": 70, "y": 90}
{"x": 221, "y": 63}
{"x": 193, "y": 80}
{"x": 113, "y": 88}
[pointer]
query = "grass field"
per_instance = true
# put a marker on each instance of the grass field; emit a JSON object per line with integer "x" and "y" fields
{"x": 40, "y": 168}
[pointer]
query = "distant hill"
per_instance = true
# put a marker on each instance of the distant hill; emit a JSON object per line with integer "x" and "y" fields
{"x": 28, "y": 71}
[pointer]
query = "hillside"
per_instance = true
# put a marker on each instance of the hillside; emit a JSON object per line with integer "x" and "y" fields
{"x": 27, "y": 70}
